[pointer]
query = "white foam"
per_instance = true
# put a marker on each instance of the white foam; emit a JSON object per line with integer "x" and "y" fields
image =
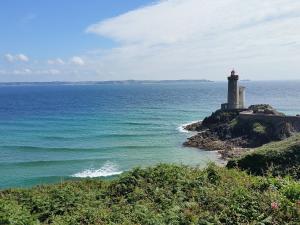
{"x": 108, "y": 169}
{"x": 182, "y": 129}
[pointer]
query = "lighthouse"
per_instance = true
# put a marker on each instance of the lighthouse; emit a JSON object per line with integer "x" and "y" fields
{"x": 235, "y": 95}
{"x": 233, "y": 91}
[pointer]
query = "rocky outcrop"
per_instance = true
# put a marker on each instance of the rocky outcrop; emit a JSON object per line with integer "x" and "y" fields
{"x": 232, "y": 134}
{"x": 265, "y": 109}
{"x": 194, "y": 126}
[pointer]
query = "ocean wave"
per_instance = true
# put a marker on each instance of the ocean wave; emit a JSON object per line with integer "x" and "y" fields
{"x": 64, "y": 149}
{"x": 108, "y": 169}
{"x": 182, "y": 129}
{"x": 25, "y": 148}
{"x": 103, "y": 136}
{"x": 47, "y": 163}
{"x": 141, "y": 124}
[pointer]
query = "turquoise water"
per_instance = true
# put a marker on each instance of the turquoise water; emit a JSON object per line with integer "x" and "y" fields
{"x": 50, "y": 133}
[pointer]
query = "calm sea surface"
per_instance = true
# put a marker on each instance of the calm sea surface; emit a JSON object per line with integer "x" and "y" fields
{"x": 50, "y": 133}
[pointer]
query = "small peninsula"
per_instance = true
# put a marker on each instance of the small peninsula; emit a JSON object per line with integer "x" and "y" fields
{"x": 235, "y": 129}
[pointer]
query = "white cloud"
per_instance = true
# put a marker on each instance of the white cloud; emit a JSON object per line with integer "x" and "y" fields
{"x": 52, "y": 72}
{"x": 27, "y": 71}
{"x": 200, "y": 38}
{"x": 22, "y": 58}
{"x": 8, "y": 57}
{"x": 57, "y": 61}
{"x": 182, "y": 39}
{"x": 15, "y": 58}
{"x": 77, "y": 60}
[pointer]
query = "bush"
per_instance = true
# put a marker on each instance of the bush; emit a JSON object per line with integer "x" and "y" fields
{"x": 280, "y": 158}
{"x": 165, "y": 194}
{"x": 258, "y": 128}
{"x": 11, "y": 212}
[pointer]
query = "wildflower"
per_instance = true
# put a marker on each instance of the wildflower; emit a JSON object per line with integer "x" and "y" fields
{"x": 274, "y": 205}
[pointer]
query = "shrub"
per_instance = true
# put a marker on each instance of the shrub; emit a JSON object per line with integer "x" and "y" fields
{"x": 258, "y": 128}
{"x": 165, "y": 194}
{"x": 280, "y": 158}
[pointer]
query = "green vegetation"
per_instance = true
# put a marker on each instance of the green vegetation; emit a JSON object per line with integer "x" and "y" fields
{"x": 257, "y": 132}
{"x": 278, "y": 158}
{"x": 165, "y": 194}
{"x": 258, "y": 128}
{"x": 233, "y": 123}
{"x": 219, "y": 117}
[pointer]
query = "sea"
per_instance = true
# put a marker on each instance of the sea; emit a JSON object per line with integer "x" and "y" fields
{"x": 54, "y": 132}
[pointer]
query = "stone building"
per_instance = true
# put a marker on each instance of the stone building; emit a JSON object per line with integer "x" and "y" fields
{"x": 236, "y": 94}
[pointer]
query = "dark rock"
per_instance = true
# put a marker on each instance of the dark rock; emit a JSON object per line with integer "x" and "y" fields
{"x": 265, "y": 109}
{"x": 194, "y": 126}
{"x": 226, "y": 132}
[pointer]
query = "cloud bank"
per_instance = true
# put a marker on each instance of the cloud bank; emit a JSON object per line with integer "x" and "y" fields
{"x": 201, "y": 38}
{"x": 183, "y": 39}
{"x": 57, "y": 61}
{"x": 16, "y": 58}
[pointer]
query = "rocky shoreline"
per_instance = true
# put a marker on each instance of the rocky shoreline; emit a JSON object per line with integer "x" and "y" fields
{"x": 224, "y": 131}
{"x": 206, "y": 140}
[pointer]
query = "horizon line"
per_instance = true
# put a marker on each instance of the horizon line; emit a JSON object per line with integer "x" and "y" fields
{"x": 137, "y": 80}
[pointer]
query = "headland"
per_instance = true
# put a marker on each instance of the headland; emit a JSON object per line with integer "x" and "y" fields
{"x": 235, "y": 129}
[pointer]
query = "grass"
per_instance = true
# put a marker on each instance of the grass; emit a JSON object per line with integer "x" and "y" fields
{"x": 165, "y": 194}
{"x": 279, "y": 158}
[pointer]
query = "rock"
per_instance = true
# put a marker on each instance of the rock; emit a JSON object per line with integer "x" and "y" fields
{"x": 220, "y": 117}
{"x": 206, "y": 141}
{"x": 194, "y": 126}
{"x": 233, "y": 152}
{"x": 226, "y": 132}
{"x": 265, "y": 109}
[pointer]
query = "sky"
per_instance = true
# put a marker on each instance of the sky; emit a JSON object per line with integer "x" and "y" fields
{"x": 62, "y": 40}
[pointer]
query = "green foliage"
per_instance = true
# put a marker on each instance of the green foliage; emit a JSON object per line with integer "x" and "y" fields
{"x": 233, "y": 123}
{"x": 13, "y": 213}
{"x": 259, "y": 128}
{"x": 292, "y": 191}
{"x": 165, "y": 194}
{"x": 278, "y": 158}
{"x": 257, "y": 132}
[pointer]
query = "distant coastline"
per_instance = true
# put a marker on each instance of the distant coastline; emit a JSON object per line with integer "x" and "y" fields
{"x": 125, "y": 82}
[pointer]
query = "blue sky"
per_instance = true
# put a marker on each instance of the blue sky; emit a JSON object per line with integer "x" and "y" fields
{"x": 62, "y": 40}
{"x": 45, "y": 28}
